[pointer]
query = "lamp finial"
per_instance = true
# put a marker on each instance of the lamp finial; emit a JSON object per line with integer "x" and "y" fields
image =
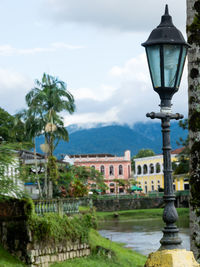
{"x": 166, "y": 10}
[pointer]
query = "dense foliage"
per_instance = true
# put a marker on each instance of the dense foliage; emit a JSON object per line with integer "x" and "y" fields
{"x": 56, "y": 228}
{"x": 73, "y": 181}
{"x": 9, "y": 130}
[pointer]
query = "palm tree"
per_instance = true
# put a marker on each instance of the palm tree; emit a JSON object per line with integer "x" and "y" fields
{"x": 47, "y": 99}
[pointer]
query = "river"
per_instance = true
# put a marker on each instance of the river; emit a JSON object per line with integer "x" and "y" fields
{"x": 141, "y": 235}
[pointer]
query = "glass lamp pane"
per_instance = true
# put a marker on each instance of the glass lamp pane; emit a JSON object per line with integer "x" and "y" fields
{"x": 183, "y": 56}
{"x": 171, "y": 56}
{"x": 153, "y": 54}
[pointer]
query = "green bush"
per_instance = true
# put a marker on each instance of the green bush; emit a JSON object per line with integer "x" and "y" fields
{"x": 58, "y": 228}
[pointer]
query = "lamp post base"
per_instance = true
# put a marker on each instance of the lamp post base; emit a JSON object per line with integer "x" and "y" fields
{"x": 170, "y": 239}
{"x": 171, "y": 258}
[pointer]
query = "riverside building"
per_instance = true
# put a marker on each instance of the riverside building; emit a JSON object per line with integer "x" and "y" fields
{"x": 149, "y": 173}
{"x": 111, "y": 167}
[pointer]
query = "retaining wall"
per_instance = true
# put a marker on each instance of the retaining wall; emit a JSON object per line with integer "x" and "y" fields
{"x": 17, "y": 238}
{"x": 128, "y": 204}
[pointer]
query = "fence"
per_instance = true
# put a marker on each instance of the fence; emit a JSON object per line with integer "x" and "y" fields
{"x": 66, "y": 206}
{"x": 86, "y": 200}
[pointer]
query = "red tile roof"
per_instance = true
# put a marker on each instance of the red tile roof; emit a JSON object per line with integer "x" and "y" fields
{"x": 177, "y": 151}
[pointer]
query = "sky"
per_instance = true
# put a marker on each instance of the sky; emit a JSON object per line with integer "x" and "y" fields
{"x": 94, "y": 46}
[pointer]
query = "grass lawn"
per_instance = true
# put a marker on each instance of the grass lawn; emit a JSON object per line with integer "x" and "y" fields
{"x": 7, "y": 260}
{"x": 121, "y": 257}
{"x": 138, "y": 214}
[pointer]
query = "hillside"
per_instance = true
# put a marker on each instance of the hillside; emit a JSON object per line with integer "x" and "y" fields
{"x": 116, "y": 139}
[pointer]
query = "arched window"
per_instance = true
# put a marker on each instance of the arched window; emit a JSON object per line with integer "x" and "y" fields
{"x": 145, "y": 169}
{"x": 157, "y": 167}
{"x": 139, "y": 169}
{"x": 120, "y": 170}
{"x": 102, "y": 169}
{"x": 111, "y": 170}
{"x": 93, "y": 185}
{"x": 151, "y": 168}
{"x": 93, "y": 167}
{"x": 112, "y": 184}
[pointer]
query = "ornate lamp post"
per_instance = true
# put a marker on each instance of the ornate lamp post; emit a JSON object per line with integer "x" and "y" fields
{"x": 166, "y": 51}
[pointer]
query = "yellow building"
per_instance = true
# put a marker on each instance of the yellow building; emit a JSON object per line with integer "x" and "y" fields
{"x": 149, "y": 173}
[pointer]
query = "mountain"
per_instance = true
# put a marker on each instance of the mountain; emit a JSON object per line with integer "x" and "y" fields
{"x": 115, "y": 139}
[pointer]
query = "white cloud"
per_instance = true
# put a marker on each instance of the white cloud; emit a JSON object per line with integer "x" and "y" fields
{"x": 66, "y": 46}
{"x": 110, "y": 115}
{"x": 134, "y": 69}
{"x": 124, "y": 15}
{"x": 8, "y": 50}
{"x": 13, "y": 87}
{"x": 127, "y": 103}
{"x": 100, "y": 94}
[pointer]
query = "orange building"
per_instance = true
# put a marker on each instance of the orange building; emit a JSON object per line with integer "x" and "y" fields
{"x": 111, "y": 167}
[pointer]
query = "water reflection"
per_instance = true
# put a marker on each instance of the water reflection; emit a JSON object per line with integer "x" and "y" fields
{"x": 142, "y": 236}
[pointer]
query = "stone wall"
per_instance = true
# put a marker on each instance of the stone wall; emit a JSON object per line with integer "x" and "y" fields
{"x": 16, "y": 237}
{"x": 127, "y": 204}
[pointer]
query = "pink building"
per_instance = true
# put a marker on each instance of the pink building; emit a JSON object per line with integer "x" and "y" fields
{"x": 112, "y": 167}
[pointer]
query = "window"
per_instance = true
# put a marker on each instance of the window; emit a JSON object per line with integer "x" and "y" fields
{"x": 120, "y": 170}
{"x": 152, "y": 182}
{"x": 152, "y": 187}
{"x": 157, "y": 167}
{"x": 102, "y": 169}
{"x": 121, "y": 190}
{"x": 145, "y": 169}
{"x": 129, "y": 171}
{"x": 139, "y": 169}
{"x": 158, "y": 181}
{"x": 145, "y": 182}
{"x": 93, "y": 167}
{"x": 146, "y": 189}
{"x": 111, "y": 171}
{"x": 112, "y": 190}
{"x": 158, "y": 187}
{"x": 151, "y": 168}
{"x": 174, "y": 187}
{"x": 186, "y": 186}
{"x": 112, "y": 184}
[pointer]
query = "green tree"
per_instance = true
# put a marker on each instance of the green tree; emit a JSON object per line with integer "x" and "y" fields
{"x": 69, "y": 176}
{"x": 45, "y": 102}
{"x": 142, "y": 153}
{"x": 48, "y": 98}
{"x": 9, "y": 131}
{"x": 32, "y": 127}
{"x": 9, "y": 159}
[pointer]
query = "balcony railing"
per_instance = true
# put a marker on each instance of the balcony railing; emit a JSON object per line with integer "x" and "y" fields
{"x": 62, "y": 206}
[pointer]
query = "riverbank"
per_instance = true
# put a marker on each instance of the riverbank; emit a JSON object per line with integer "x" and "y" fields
{"x": 138, "y": 214}
{"x": 104, "y": 254}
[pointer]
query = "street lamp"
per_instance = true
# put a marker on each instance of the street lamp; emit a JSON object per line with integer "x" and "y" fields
{"x": 166, "y": 51}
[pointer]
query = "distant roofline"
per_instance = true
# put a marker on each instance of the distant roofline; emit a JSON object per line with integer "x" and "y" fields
{"x": 174, "y": 152}
{"x": 90, "y": 155}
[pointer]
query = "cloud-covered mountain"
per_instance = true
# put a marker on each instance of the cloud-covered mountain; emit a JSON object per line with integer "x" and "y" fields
{"x": 115, "y": 138}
